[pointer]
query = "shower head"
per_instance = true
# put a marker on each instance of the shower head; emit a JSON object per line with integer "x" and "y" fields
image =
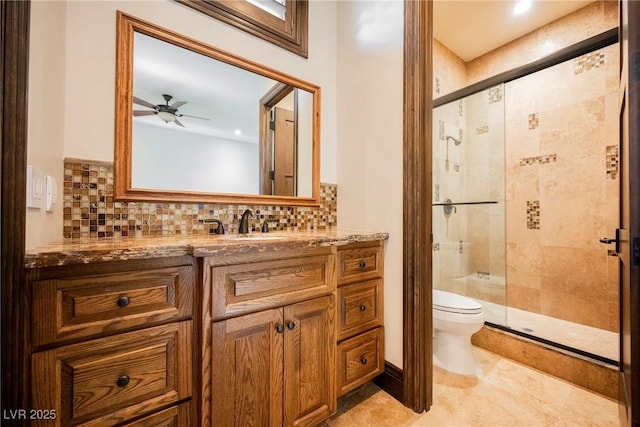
{"x": 455, "y": 141}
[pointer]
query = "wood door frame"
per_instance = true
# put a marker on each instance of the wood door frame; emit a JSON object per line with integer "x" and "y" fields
{"x": 417, "y": 180}
{"x": 15, "y": 19}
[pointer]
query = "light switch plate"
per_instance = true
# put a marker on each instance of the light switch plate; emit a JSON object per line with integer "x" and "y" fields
{"x": 35, "y": 187}
{"x": 52, "y": 194}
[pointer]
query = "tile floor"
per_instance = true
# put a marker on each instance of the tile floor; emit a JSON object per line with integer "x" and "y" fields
{"x": 505, "y": 394}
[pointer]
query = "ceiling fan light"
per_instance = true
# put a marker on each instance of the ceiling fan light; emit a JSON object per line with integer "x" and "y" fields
{"x": 166, "y": 116}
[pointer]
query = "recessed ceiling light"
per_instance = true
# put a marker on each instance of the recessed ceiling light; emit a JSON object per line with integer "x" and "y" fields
{"x": 521, "y": 7}
{"x": 238, "y": 132}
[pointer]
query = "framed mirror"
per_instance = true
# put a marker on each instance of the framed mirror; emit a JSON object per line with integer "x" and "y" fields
{"x": 281, "y": 22}
{"x": 198, "y": 124}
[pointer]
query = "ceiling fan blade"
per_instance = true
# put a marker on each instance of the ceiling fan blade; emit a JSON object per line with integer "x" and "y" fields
{"x": 137, "y": 113}
{"x": 177, "y": 104}
{"x": 143, "y": 102}
{"x": 193, "y": 117}
{"x": 176, "y": 121}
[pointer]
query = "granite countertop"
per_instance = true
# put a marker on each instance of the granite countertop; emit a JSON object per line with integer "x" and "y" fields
{"x": 87, "y": 251}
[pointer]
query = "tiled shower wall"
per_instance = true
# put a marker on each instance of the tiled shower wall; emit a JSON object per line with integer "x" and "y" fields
{"x": 469, "y": 241}
{"x": 562, "y": 190}
{"x": 91, "y": 212}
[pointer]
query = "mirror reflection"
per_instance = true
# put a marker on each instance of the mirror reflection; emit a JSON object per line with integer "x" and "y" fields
{"x": 195, "y": 123}
{"x": 193, "y": 110}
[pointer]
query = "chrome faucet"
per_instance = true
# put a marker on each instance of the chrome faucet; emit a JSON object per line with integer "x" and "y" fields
{"x": 244, "y": 222}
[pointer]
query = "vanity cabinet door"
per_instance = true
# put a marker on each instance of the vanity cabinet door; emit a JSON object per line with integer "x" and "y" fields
{"x": 275, "y": 367}
{"x": 247, "y": 363}
{"x": 309, "y": 367}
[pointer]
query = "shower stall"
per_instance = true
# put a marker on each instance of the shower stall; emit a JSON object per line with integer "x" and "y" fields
{"x": 525, "y": 183}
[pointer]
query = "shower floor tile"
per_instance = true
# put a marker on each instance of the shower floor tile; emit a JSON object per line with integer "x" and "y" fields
{"x": 504, "y": 394}
{"x": 586, "y": 338}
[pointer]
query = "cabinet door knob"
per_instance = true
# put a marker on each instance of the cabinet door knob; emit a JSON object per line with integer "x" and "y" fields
{"x": 362, "y": 264}
{"x": 123, "y": 301}
{"x": 123, "y": 380}
{"x": 291, "y": 325}
{"x": 280, "y": 329}
{"x": 363, "y": 360}
{"x": 363, "y": 307}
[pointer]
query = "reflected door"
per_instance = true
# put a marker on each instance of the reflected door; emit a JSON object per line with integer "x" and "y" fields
{"x": 284, "y": 153}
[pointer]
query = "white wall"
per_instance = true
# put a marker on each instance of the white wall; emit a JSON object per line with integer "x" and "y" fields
{"x": 45, "y": 130}
{"x": 197, "y": 163}
{"x": 72, "y": 90}
{"x": 370, "y": 129}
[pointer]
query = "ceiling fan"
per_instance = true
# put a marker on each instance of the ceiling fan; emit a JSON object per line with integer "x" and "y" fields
{"x": 168, "y": 113}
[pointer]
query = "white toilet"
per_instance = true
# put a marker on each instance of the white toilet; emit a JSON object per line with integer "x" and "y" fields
{"x": 455, "y": 319}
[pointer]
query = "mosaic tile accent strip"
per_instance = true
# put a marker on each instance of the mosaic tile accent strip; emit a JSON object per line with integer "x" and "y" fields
{"x": 437, "y": 85}
{"x": 461, "y": 135}
{"x": 441, "y": 130}
{"x": 90, "y": 212}
{"x": 436, "y": 193}
{"x": 533, "y": 215}
{"x": 482, "y": 129}
{"x": 612, "y": 161}
{"x": 533, "y": 121}
{"x": 539, "y": 160}
{"x": 588, "y": 62}
{"x": 495, "y": 94}
{"x": 460, "y": 108}
{"x": 436, "y": 246}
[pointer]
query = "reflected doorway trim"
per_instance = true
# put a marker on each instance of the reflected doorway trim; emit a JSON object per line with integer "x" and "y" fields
{"x": 270, "y": 99}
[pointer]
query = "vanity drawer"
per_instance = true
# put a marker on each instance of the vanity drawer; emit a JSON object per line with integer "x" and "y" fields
{"x": 90, "y": 305}
{"x": 248, "y": 287}
{"x": 359, "y": 307}
{"x": 113, "y": 379}
{"x": 360, "y": 359}
{"x": 360, "y": 262}
{"x": 176, "y": 416}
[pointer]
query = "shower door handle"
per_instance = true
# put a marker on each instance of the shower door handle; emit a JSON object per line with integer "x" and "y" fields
{"x": 609, "y": 240}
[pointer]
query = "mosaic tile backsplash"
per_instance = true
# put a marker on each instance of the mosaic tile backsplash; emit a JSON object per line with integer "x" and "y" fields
{"x": 91, "y": 212}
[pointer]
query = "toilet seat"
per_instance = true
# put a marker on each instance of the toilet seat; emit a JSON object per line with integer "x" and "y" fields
{"x": 454, "y": 303}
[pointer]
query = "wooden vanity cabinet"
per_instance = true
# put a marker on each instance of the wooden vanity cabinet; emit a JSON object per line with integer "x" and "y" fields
{"x": 272, "y": 339}
{"x": 360, "y": 338}
{"x": 112, "y": 342}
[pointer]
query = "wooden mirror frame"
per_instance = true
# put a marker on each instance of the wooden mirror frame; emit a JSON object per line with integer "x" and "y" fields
{"x": 290, "y": 34}
{"x": 123, "y": 189}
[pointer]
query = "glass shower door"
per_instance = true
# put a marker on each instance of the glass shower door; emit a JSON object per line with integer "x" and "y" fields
{"x": 468, "y": 200}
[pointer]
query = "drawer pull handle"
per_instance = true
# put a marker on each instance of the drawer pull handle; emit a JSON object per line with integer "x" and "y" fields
{"x": 291, "y": 325}
{"x": 280, "y": 329}
{"x": 362, "y": 264}
{"x": 363, "y": 307}
{"x": 123, "y": 301}
{"x": 123, "y": 380}
{"x": 363, "y": 360}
